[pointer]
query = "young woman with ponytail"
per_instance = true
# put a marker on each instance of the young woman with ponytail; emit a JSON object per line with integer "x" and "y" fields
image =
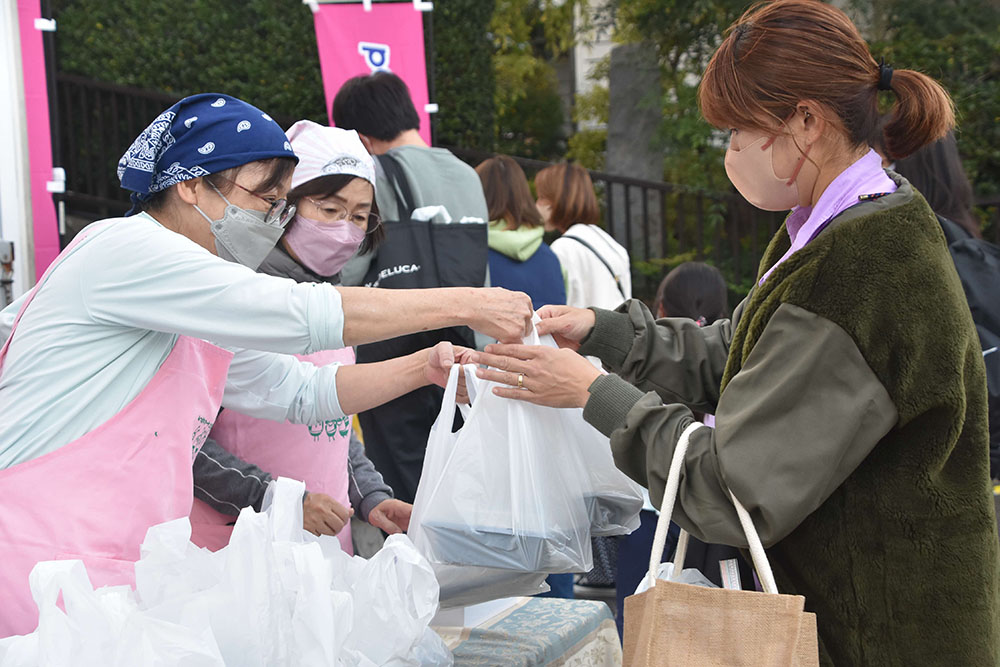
{"x": 848, "y": 387}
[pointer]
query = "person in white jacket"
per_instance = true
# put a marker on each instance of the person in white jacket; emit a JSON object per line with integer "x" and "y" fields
{"x": 596, "y": 267}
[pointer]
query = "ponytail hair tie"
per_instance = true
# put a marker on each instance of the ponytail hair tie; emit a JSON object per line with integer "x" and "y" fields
{"x": 884, "y": 75}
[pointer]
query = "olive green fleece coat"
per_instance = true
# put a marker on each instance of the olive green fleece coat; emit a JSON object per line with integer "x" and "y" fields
{"x": 900, "y": 563}
{"x": 851, "y": 423}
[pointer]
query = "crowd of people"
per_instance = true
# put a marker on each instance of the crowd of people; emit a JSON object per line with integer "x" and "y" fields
{"x": 228, "y": 328}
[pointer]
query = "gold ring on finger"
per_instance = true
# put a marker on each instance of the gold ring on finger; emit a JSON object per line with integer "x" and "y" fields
{"x": 520, "y": 380}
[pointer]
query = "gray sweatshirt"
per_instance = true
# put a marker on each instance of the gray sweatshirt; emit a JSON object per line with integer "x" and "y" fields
{"x": 228, "y": 483}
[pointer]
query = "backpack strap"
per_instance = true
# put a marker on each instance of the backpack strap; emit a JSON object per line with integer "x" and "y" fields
{"x": 592, "y": 249}
{"x": 394, "y": 172}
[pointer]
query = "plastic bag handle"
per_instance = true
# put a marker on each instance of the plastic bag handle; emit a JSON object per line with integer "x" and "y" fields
{"x": 534, "y": 339}
{"x": 759, "y": 557}
{"x": 448, "y": 403}
{"x": 472, "y": 386}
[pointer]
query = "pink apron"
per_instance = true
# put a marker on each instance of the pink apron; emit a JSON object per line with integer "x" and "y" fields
{"x": 94, "y": 498}
{"x": 315, "y": 454}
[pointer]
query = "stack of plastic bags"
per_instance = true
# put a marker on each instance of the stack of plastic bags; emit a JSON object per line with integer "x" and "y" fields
{"x": 275, "y": 596}
{"x": 515, "y": 494}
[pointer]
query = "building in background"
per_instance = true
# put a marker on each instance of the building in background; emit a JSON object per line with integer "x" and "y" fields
{"x": 592, "y": 49}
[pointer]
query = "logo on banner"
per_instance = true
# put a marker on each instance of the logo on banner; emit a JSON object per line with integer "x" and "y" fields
{"x": 376, "y": 55}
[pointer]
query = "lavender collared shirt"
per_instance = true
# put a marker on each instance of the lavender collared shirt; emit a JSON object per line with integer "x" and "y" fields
{"x": 864, "y": 177}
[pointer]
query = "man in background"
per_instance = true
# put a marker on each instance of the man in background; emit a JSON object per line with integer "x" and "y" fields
{"x": 378, "y": 106}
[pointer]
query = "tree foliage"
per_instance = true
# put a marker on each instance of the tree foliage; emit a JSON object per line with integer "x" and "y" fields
{"x": 463, "y": 71}
{"x": 958, "y": 43}
{"x": 955, "y": 41}
{"x": 684, "y": 34}
{"x": 528, "y": 37}
{"x": 589, "y": 143}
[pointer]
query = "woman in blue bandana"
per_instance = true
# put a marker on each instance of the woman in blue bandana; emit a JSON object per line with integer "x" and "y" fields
{"x": 107, "y": 385}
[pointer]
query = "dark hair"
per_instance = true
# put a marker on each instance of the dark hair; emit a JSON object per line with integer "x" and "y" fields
{"x": 694, "y": 290}
{"x": 508, "y": 196}
{"x": 936, "y": 172}
{"x": 568, "y": 188}
{"x": 279, "y": 170}
{"x": 331, "y": 184}
{"x": 377, "y": 105}
{"x": 780, "y": 53}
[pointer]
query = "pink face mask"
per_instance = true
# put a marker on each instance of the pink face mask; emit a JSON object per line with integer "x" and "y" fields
{"x": 751, "y": 170}
{"x": 323, "y": 247}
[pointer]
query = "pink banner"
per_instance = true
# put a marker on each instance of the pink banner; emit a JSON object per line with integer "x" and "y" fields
{"x": 36, "y": 101}
{"x": 389, "y": 37}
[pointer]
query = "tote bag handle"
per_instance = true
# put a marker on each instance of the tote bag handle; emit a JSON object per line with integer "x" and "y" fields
{"x": 760, "y": 562}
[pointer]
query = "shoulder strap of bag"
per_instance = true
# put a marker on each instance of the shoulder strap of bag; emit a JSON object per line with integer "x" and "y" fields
{"x": 394, "y": 172}
{"x": 397, "y": 178}
{"x": 592, "y": 249}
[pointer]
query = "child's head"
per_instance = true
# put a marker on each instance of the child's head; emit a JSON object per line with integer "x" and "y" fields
{"x": 693, "y": 290}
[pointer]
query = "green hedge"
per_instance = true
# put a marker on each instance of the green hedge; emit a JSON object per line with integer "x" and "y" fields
{"x": 463, "y": 72}
{"x": 264, "y": 51}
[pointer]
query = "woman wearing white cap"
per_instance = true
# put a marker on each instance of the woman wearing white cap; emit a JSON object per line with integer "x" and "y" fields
{"x": 114, "y": 369}
{"x": 333, "y": 188}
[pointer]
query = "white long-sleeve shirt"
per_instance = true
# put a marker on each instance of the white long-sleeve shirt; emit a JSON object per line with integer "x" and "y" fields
{"x": 99, "y": 328}
{"x": 588, "y": 281}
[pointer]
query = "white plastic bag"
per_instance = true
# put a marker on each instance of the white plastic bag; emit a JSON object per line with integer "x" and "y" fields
{"x": 462, "y": 585}
{"x": 102, "y": 627}
{"x": 497, "y": 493}
{"x": 613, "y": 500}
{"x": 276, "y": 595}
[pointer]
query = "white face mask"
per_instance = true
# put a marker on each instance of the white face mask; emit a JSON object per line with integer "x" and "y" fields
{"x": 751, "y": 170}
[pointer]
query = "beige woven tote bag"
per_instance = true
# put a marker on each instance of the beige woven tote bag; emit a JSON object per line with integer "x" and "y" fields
{"x": 682, "y": 625}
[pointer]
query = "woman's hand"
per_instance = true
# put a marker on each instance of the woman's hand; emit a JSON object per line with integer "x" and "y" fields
{"x": 392, "y": 516}
{"x": 499, "y": 313}
{"x": 567, "y": 325}
{"x": 322, "y": 515}
{"x": 441, "y": 358}
{"x": 556, "y": 378}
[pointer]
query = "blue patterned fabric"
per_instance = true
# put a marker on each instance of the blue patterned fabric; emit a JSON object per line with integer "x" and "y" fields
{"x": 539, "y": 632}
{"x": 200, "y": 135}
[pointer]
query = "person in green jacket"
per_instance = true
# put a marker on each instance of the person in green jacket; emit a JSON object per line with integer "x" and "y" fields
{"x": 848, "y": 388}
{"x": 517, "y": 255}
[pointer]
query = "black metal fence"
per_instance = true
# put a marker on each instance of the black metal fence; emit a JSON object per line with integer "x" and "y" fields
{"x": 661, "y": 224}
{"x": 96, "y": 123}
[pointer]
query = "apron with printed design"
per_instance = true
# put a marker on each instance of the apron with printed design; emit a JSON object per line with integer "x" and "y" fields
{"x": 316, "y": 454}
{"x": 94, "y": 498}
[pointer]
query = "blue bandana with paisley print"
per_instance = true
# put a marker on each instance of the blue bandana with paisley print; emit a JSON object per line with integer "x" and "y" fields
{"x": 200, "y": 135}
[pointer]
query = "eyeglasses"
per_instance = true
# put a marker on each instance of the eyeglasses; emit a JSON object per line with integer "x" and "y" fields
{"x": 279, "y": 213}
{"x": 335, "y": 213}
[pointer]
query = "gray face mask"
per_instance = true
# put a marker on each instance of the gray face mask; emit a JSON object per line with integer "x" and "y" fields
{"x": 241, "y": 235}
